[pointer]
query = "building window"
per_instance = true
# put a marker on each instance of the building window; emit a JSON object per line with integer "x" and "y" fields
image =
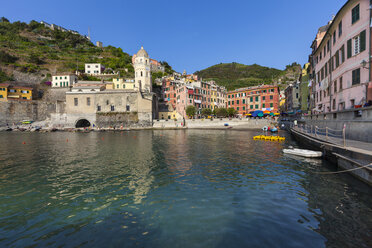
{"x": 340, "y": 83}
{"x": 98, "y": 108}
{"x": 356, "y": 76}
{"x": 243, "y": 101}
{"x": 263, "y": 98}
{"x": 356, "y": 45}
{"x": 112, "y": 108}
{"x": 271, "y": 105}
{"x": 334, "y": 37}
{"x": 342, "y": 51}
{"x": 251, "y": 106}
{"x": 232, "y": 102}
{"x": 256, "y": 98}
{"x": 243, "y": 108}
{"x": 107, "y": 102}
{"x": 271, "y": 97}
{"x": 263, "y": 105}
{"x": 328, "y": 46}
{"x": 340, "y": 29}
{"x": 76, "y": 101}
{"x": 237, "y": 102}
{"x": 355, "y": 14}
{"x": 237, "y": 108}
{"x": 88, "y": 101}
{"x": 256, "y": 106}
{"x": 228, "y": 102}
{"x": 128, "y": 108}
{"x": 335, "y": 86}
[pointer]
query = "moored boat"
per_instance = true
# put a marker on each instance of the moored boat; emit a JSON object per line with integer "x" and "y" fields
{"x": 303, "y": 153}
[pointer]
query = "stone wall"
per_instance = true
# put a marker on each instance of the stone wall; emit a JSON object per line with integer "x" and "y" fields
{"x": 358, "y": 122}
{"x": 117, "y": 120}
{"x": 215, "y": 123}
{"x": 16, "y": 111}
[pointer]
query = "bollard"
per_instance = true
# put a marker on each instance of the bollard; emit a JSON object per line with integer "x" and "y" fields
{"x": 344, "y": 134}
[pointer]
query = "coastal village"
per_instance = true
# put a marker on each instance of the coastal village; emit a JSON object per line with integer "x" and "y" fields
{"x": 99, "y": 141}
{"x": 337, "y": 78}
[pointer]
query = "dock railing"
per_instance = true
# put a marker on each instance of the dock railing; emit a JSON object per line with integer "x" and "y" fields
{"x": 326, "y": 133}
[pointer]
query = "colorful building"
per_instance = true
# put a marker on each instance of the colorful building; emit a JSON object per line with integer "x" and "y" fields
{"x": 341, "y": 68}
{"x": 245, "y": 100}
{"x": 122, "y": 84}
{"x": 15, "y": 91}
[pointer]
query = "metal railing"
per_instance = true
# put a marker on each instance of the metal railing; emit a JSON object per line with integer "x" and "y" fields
{"x": 326, "y": 133}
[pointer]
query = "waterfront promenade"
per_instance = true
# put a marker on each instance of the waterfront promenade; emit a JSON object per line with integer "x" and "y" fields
{"x": 335, "y": 137}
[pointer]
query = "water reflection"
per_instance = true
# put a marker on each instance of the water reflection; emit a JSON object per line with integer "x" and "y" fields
{"x": 192, "y": 188}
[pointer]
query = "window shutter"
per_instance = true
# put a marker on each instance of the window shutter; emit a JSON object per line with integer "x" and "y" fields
{"x": 349, "y": 48}
{"x": 362, "y": 41}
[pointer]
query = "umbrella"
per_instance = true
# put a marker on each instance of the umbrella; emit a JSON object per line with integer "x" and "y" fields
{"x": 266, "y": 112}
{"x": 256, "y": 113}
{"x": 272, "y": 114}
{"x": 260, "y": 114}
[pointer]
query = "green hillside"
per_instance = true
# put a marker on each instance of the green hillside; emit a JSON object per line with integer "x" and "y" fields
{"x": 33, "y": 48}
{"x": 234, "y": 75}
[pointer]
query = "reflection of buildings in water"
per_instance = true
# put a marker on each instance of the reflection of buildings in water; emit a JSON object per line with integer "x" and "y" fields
{"x": 342, "y": 208}
{"x": 105, "y": 163}
{"x": 142, "y": 161}
{"x": 177, "y": 155}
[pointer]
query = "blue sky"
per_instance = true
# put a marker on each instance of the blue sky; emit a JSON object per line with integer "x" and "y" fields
{"x": 193, "y": 34}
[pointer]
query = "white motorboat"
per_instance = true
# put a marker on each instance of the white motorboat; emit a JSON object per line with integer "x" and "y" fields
{"x": 303, "y": 153}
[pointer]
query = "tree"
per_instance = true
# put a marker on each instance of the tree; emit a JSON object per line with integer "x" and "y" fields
{"x": 190, "y": 111}
{"x": 7, "y": 58}
{"x": 221, "y": 112}
{"x": 4, "y": 77}
{"x": 206, "y": 112}
{"x": 34, "y": 58}
{"x": 231, "y": 112}
{"x": 3, "y": 19}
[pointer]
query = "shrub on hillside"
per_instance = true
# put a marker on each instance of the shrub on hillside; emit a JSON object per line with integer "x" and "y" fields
{"x": 7, "y": 58}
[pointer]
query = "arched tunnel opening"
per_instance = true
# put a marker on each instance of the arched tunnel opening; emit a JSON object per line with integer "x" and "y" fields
{"x": 82, "y": 123}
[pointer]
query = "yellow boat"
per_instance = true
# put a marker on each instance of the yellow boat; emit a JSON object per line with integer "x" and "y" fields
{"x": 269, "y": 138}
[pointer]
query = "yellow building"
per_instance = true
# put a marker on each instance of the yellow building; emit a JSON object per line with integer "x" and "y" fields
{"x": 122, "y": 84}
{"x": 15, "y": 92}
{"x": 170, "y": 115}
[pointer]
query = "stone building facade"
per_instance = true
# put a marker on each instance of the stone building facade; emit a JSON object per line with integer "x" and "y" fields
{"x": 96, "y": 105}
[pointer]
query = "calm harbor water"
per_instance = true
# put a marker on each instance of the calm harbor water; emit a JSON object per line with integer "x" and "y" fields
{"x": 192, "y": 188}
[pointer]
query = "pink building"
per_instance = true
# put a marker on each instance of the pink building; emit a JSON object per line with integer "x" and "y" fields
{"x": 341, "y": 63}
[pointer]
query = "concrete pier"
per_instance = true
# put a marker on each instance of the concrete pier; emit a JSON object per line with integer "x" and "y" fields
{"x": 345, "y": 157}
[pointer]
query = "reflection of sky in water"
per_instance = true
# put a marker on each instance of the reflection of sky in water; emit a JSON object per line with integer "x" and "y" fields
{"x": 194, "y": 188}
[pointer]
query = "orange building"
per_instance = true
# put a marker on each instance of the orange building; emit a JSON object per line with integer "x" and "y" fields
{"x": 245, "y": 100}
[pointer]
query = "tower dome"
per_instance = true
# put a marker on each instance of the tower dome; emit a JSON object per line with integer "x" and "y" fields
{"x": 142, "y": 53}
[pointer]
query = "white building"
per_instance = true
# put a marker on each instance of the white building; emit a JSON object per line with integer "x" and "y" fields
{"x": 142, "y": 71}
{"x": 64, "y": 80}
{"x": 94, "y": 68}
